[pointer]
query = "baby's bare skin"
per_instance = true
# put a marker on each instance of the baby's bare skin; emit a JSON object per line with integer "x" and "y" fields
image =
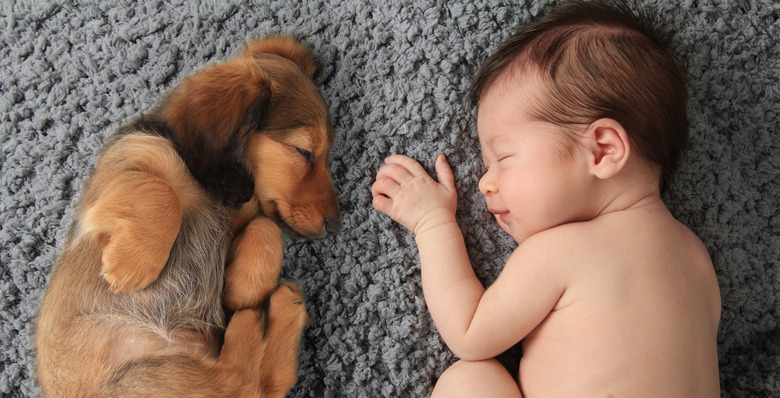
{"x": 626, "y": 304}
{"x": 638, "y": 315}
{"x": 610, "y": 295}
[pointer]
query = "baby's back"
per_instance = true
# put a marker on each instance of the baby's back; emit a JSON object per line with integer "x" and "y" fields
{"x": 638, "y": 317}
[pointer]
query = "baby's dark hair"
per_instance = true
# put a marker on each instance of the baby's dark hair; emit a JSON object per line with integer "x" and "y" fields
{"x": 601, "y": 59}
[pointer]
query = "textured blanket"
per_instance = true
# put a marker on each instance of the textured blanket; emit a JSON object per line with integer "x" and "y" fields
{"x": 394, "y": 74}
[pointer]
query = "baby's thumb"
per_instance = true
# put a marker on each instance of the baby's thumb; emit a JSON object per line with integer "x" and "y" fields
{"x": 444, "y": 172}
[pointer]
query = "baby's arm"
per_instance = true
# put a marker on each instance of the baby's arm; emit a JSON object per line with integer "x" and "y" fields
{"x": 474, "y": 323}
{"x": 405, "y": 192}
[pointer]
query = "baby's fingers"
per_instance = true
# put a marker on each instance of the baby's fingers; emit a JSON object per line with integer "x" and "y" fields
{"x": 379, "y": 191}
{"x": 394, "y": 172}
{"x": 384, "y": 186}
{"x": 411, "y": 165}
{"x": 382, "y": 203}
{"x": 444, "y": 172}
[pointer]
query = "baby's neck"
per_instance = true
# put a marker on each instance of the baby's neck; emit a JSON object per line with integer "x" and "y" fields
{"x": 636, "y": 187}
{"x": 627, "y": 202}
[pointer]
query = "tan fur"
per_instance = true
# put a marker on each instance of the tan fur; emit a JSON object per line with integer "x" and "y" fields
{"x": 254, "y": 265}
{"x": 134, "y": 306}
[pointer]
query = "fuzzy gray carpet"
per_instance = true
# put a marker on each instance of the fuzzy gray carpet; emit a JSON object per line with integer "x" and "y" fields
{"x": 394, "y": 73}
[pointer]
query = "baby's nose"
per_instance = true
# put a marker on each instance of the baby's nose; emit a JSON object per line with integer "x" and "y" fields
{"x": 487, "y": 186}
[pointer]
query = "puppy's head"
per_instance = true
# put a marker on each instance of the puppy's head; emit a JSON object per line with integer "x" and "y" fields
{"x": 256, "y": 128}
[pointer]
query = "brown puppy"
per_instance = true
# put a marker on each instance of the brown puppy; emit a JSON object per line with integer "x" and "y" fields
{"x": 134, "y": 306}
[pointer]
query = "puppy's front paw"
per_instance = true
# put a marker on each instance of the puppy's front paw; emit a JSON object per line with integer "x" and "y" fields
{"x": 288, "y": 307}
{"x": 127, "y": 267}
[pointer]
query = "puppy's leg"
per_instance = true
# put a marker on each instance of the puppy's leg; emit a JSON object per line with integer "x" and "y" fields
{"x": 238, "y": 365}
{"x": 253, "y": 271}
{"x": 138, "y": 216}
{"x": 234, "y": 373}
{"x": 286, "y": 320}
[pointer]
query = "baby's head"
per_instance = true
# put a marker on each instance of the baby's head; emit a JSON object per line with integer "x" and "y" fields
{"x": 595, "y": 60}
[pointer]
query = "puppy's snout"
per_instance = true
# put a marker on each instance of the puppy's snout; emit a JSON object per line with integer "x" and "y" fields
{"x": 333, "y": 225}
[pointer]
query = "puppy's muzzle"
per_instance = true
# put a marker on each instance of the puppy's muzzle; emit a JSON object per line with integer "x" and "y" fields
{"x": 333, "y": 225}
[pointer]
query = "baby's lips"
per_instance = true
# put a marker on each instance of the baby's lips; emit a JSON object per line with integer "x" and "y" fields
{"x": 495, "y": 211}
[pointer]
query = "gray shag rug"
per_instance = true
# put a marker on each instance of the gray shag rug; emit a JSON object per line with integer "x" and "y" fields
{"x": 395, "y": 74}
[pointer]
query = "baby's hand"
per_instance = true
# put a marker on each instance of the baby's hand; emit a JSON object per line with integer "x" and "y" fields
{"x": 404, "y": 191}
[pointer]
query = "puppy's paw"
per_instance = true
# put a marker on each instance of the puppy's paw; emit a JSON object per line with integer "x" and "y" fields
{"x": 287, "y": 307}
{"x": 129, "y": 268}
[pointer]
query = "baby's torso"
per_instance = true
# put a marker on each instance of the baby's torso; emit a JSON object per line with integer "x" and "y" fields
{"x": 638, "y": 317}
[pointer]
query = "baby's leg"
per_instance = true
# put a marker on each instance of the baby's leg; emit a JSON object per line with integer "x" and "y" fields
{"x": 476, "y": 379}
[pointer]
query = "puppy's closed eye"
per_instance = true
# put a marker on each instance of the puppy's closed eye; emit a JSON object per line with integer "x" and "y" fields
{"x": 306, "y": 154}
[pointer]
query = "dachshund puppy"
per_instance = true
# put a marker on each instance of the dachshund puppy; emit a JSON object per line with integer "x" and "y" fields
{"x": 136, "y": 304}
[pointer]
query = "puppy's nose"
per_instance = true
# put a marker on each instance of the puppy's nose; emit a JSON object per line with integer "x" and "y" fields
{"x": 333, "y": 225}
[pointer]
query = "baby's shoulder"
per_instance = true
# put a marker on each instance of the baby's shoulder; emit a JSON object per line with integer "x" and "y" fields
{"x": 574, "y": 236}
{"x": 621, "y": 235}
{"x": 560, "y": 244}
{"x": 653, "y": 228}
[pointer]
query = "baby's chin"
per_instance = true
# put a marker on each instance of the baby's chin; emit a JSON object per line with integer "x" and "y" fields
{"x": 518, "y": 236}
{"x": 506, "y": 229}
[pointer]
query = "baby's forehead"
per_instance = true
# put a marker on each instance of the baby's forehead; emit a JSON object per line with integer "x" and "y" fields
{"x": 523, "y": 87}
{"x": 520, "y": 75}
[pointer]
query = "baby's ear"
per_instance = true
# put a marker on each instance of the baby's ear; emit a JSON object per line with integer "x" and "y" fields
{"x": 608, "y": 143}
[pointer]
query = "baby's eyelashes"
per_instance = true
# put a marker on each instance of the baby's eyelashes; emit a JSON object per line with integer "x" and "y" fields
{"x": 503, "y": 156}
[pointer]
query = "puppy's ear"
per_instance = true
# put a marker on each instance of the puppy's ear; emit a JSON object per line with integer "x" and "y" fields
{"x": 286, "y": 47}
{"x": 212, "y": 115}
